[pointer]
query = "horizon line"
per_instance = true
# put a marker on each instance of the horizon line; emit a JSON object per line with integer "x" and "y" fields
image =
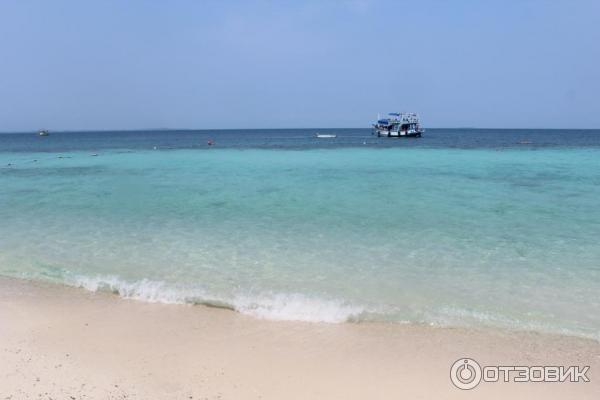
{"x": 256, "y": 129}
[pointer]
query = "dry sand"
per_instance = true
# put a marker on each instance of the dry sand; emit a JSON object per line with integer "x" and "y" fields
{"x": 65, "y": 343}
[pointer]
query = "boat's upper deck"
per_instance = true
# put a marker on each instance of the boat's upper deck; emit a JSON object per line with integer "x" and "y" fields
{"x": 399, "y": 118}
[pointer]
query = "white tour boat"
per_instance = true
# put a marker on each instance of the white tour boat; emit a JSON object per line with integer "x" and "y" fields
{"x": 398, "y": 125}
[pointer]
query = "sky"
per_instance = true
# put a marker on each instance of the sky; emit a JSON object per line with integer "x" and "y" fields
{"x": 69, "y": 65}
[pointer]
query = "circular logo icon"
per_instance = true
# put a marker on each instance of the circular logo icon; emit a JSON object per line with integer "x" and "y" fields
{"x": 465, "y": 373}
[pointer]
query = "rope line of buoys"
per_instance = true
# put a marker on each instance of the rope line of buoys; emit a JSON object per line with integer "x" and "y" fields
{"x": 210, "y": 142}
{"x": 36, "y": 160}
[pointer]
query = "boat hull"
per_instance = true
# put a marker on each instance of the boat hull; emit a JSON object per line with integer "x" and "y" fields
{"x": 398, "y": 134}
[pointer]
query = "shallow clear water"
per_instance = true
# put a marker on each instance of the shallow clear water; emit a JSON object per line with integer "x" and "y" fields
{"x": 395, "y": 230}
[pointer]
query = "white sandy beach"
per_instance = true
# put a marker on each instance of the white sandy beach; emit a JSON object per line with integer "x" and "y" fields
{"x": 66, "y": 343}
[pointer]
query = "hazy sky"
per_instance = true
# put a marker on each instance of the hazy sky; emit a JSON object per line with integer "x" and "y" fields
{"x": 229, "y": 64}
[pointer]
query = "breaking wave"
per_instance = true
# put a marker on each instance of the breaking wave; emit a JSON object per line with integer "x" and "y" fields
{"x": 302, "y": 307}
{"x": 273, "y": 306}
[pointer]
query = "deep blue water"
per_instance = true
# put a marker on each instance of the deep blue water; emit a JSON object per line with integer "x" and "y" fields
{"x": 295, "y": 139}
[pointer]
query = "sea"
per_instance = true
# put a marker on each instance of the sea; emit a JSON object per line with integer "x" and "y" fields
{"x": 494, "y": 228}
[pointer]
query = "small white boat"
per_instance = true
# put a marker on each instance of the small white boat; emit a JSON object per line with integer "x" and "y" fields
{"x": 43, "y": 132}
{"x": 325, "y": 135}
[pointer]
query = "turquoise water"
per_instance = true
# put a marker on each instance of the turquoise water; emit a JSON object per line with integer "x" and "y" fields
{"x": 452, "y": 237}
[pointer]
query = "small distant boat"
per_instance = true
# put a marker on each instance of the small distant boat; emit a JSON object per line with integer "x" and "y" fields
{"x": 325, "y": 135}
{"x": 43, "y": 132}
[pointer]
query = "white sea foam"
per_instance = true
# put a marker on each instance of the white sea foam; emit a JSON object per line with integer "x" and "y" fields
{"x": 144, "y": 290}
{"x": 279, "y": 306}
{"x": 297, "y": 307}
